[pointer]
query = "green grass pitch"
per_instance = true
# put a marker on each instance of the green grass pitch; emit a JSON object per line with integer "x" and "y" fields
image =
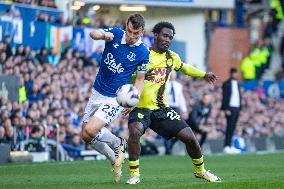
{"x": 251, "y": 171}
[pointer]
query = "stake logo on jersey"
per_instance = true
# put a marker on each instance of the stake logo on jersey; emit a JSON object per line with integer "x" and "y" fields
{"x": 110, "y": 61}
{"x": 119, "y": 62}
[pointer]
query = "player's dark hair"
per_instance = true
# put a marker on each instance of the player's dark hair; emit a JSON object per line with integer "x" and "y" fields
{"x": 137, "y": 21}
{"x": 159, "y": 26}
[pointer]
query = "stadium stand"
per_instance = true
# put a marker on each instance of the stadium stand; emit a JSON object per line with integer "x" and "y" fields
{"x": 54, "y": 91}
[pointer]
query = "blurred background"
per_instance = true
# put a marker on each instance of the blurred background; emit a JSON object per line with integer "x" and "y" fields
{"x": 48, "y": 64}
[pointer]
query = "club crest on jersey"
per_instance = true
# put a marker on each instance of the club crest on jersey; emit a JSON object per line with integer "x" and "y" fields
{"x": 115, "y": 45}
{"x": 112, "y": 65}
{"x": 131, "y": 56}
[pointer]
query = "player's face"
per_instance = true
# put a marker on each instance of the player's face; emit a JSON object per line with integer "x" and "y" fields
{"x": 132, "y": 35}
{"x": 164, "y": 39}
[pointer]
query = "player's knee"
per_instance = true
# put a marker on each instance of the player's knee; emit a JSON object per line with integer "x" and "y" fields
{"x": 186, "y": 136}
{"x": 135, "y": 132}
{"x": 91, "y": 129}
{"x": 84, "y": 136}
{"x": 88, "y": 132}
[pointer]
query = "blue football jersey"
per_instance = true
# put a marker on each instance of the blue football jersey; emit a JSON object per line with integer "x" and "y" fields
{"x": 119, "y": 61}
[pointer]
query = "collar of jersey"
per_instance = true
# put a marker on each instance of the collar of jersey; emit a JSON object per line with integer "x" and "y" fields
{"x": 123, "y": 41}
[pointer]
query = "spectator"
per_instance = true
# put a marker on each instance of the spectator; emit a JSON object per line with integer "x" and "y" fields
{"x": 22, "y": 91}
{"x": 3, "y": 58}
{"x": 9, "y": 131}
{"x": 259, "y": 90}
{"x": 53, "y": 57}
{"x": 231, "y": 104}
{"x": 148, "y": 146}
{"x": 42, "y": 56}
{"x": 200, "y": 112}
{"x": 239, "y": 142}
{"x": 20, "y": 51}
{"x": 274, "y": 90}
{"x": 98, "y": 53}
{"x": 36, "y": 141}
{"x": 7, "y": 41}
{"x": 35, "y": 94}
{"x": 75, "y": 147}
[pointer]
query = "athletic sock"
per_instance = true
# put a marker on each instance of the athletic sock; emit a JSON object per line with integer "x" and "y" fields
{"x": 104, "y": 149}
{"x": 198, "y": 165}
{"x": 104, "y": 135}
{"x": 134, "y": 167}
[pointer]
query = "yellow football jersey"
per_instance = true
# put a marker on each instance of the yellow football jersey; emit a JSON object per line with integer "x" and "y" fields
{"x": 154, "y": 96}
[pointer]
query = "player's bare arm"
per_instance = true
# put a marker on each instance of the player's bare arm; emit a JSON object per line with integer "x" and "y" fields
{"x": 101, "y": 35}
{"x": 139, "y": 81}
{"x": 150, "y": 75}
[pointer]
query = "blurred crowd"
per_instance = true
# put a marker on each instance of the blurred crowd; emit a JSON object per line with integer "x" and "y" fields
{"x": 56, "y": 91}
{"x": 86, "y": 19}
{"x": 261, "y": 115}
{"x": 44, "y": 3}
{"x": 268, "y": 44}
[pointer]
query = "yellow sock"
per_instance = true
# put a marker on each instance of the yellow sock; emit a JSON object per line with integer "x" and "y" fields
{"x": 134, "y": 167}
{"x": 198, "y": 165}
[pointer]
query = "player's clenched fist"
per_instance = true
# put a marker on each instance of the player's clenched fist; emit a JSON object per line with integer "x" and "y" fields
{"x": 108, "y": 36}
{"x": 102, "y": 35}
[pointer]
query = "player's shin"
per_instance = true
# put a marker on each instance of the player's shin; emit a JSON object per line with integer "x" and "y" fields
{"x": 106, "y": 136}
{"x": 104, "y": 149}
{"x": 134, "y": 150}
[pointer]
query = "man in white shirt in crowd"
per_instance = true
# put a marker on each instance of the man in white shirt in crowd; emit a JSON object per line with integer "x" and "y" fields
{"x": 231, "y": 105}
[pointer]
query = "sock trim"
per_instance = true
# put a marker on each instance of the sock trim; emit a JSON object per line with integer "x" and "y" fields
{"x": 199, "y": 164}
{"x": 134, "y": 163}
{"x": 134, "y": 167}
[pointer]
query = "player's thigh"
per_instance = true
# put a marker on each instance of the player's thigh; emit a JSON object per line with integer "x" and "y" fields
{"x": 168, "y": 128}
{"x": 139, "y": 121}
{"x": 100, "y": 111}
{"x": 93, "y": 125}
{"x": 168, "y": 125}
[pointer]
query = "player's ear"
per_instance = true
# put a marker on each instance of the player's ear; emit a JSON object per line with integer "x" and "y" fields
{"x": 156, "y": 35}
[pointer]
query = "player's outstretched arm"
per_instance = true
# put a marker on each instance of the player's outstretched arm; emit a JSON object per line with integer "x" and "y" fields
{"x": 194, "y": 72}
{"x": 101, "y": 35}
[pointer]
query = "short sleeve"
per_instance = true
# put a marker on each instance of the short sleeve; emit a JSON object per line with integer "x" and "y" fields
{"x": 114, "y": 30}
{"x": 142, "y": 66}
{"x": 177, "y": 62}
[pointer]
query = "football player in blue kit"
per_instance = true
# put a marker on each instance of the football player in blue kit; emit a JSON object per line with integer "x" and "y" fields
{"x": 124, "y": 54}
